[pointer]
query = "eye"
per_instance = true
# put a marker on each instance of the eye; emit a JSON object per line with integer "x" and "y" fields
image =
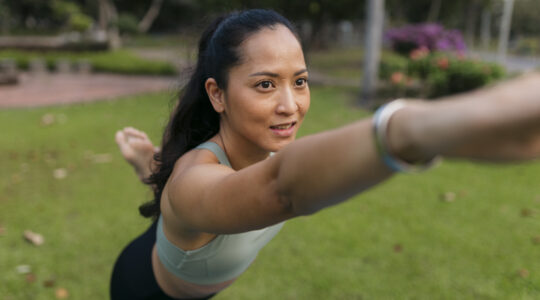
{"x": 265, "y": 85}
{"x": 300, "y": 82}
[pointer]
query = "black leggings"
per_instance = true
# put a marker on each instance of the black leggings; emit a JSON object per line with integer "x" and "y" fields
{"x": 133, "y": 277}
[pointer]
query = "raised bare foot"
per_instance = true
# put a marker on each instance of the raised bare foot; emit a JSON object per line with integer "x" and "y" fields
{"x": 137, "y": 149}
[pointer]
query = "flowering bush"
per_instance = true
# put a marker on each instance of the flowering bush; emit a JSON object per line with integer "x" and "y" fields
{"x": 430, "y": 36}
{"x": 438, "y": 74}
{"x": 451, "y": 76}
{"x": 391, "y": 63}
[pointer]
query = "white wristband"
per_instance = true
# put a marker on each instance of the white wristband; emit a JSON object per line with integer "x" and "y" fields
{"x": 380, "y": 128}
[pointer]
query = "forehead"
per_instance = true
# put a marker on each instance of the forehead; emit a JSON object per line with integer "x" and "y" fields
{"x": 271, "y": 48}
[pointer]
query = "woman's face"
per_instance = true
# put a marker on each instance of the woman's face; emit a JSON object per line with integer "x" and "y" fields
{"x": 267, "y": 95}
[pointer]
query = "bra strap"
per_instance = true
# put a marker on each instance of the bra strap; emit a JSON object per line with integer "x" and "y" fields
{"x": 218, "y": 152}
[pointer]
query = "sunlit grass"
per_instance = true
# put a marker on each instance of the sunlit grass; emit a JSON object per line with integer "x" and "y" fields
{"x": 397, "y": 241}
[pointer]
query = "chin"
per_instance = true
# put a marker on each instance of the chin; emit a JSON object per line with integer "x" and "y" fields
{"x": 275, "y": 147}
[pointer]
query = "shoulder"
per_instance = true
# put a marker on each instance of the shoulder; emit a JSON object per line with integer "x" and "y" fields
{"x": 193, "y": 173}
{"x": 194, "y": 161}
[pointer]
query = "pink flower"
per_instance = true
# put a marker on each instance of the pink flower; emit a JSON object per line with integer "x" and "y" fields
{"x": 397, "y": 77}
{"x": 419, "y": 53}
{"x": 443, "y": 63}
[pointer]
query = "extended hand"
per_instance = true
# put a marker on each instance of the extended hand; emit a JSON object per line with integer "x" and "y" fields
{"x": 137, "y": 149}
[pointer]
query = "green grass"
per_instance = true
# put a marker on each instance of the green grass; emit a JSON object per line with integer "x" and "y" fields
{"x": 120, "y": 61}
{"x": 338, "y": 62}
{"x": 160, "y": 41}
{"x": 471, "y": 248}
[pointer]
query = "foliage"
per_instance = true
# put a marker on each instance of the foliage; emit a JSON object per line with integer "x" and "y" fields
{"x": 70, "y": 15}
{"x": 391, "y": 63}
{"x": 428, "y": 35}
{"x": 440, "y": 73}
{"x": 461, "y": 76}
{"x": 127, "y": 23}
{"x": 126, "y": 63}
{"x": 80, "y": 22}
{"x": 193, "y": 14}
{"x": 527, "y": 46}
{"x": 123, "y": 61}
{"x": 525, "y": 18}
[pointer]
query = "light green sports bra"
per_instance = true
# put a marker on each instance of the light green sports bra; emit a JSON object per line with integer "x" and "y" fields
{"x": 224, "y": 258}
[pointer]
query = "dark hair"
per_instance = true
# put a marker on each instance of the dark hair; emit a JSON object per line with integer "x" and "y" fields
{"x": 194, "y": 120}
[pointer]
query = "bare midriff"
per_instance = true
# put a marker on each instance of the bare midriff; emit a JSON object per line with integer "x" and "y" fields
{"x": 178, "y": 288}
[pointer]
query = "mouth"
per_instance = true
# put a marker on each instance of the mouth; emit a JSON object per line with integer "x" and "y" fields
{"x": 284, "y": 129}
{"x": 283, "y": 126}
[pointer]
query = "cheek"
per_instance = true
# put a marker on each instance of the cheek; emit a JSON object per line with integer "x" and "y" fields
{"x": 248, "y": 111}
{"x": 304, "y": 103}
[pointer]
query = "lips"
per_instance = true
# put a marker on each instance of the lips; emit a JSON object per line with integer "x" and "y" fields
{"x": 284, "y": 129}
{"x": 283, "y": 126}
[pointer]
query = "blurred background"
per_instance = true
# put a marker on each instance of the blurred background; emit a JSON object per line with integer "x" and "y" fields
{"x": 74, "y": 72}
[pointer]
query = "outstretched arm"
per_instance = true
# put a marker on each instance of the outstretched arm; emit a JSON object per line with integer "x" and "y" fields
{"x": 137, "y": 150}
{"x": 498, "y": 124}
{"x": 501, "y": 123}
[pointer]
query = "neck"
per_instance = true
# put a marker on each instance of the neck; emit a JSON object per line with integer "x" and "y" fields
{"x": 240, "y": 152}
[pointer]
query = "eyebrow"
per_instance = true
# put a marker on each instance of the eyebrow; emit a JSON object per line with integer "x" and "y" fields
{"x": 275, "y": 74}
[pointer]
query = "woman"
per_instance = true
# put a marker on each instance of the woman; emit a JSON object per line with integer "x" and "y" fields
{"x": 219, "y": 193}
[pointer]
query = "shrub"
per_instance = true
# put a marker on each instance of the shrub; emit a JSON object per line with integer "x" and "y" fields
{"x": 527, "y": 46}
{"x": 71, "y": 15}
{"x": 80, "y": 22}
{"x": 127, "y": 23}
{"x": 421, "y": 65}
{"x": 438, "y": 73}
{"x": 123, "y": 62}
{"x": 462, "y": 76}
{"x": 392, "y": 63}
{"x": 126, "y": 63}
{"x": 428, "y": 35}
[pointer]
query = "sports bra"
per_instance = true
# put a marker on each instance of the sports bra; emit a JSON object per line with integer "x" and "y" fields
{"x": 222, "y": 259}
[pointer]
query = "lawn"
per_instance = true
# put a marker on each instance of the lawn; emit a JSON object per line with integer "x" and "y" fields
{"x": 460, "y": 231}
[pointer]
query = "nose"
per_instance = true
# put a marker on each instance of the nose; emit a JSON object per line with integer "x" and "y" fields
{"x": 287, "y": 102}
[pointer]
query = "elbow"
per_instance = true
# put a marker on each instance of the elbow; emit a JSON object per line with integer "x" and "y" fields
{"x": 289, "y": 198}
{"x": 294, "y": 207}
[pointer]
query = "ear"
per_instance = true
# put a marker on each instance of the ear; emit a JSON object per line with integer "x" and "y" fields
{"x": 215, "y": 94}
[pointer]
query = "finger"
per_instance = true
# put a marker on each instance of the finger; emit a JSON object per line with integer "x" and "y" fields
{"x": 142, "y": 134}
{"x": 131, "y": 131}
{"x": 119, "y": 137}
{"x": 136, "y": 133}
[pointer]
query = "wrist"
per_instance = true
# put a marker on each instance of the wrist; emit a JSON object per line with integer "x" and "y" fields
{"x": 404, "y": 133}
{"x": 404, "y": 153}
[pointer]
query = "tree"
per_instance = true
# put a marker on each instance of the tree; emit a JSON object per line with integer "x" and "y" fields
{"x": 150, "y": 16}
{"x": 108, "y": 22}
{"x": 374, "y": 28}
{"x": 434, "y": 11}
{"x": 505, "y": 30}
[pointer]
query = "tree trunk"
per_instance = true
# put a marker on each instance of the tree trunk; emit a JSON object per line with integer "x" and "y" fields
{"x": 150, "y": 16}
{"x": 103, "y": 18}
{"x": 4, "y": 18}
{"x": 374, "y": 28}
{"x": 504, "y": 33}
{"x": 486, "y": 28}
{"x": 108, "y": 19}
{"x": 434, "y": 11}
{"x": 470, "y": 24}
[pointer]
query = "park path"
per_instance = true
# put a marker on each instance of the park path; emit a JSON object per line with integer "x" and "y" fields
{"x": 513, "y": 63}
{"x": 34, "y": 90}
